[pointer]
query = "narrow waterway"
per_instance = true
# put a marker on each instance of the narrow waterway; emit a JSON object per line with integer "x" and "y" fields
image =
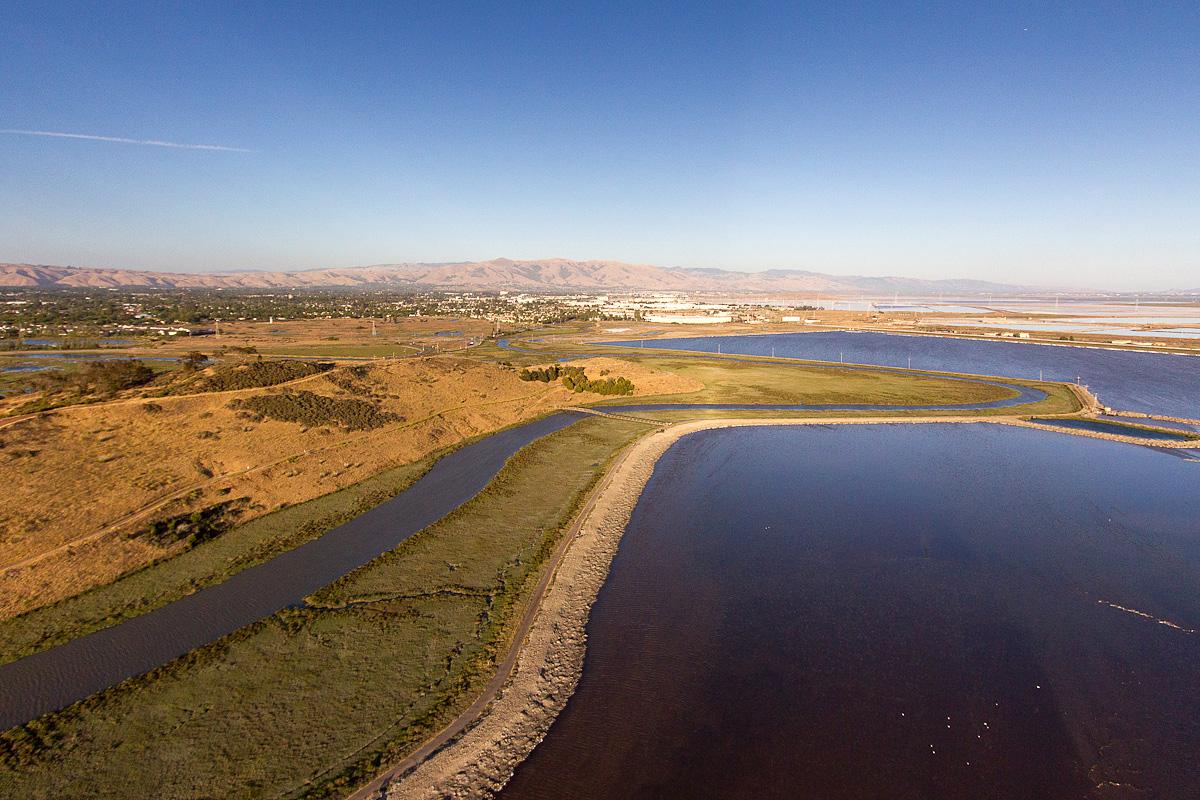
{"x": 1156, "y": 383}
{"x": 55, "y": 678}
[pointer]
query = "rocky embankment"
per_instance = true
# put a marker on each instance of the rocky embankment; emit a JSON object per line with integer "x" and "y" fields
{"x": 551, "y": 658}
{"x": 550, "y": 662}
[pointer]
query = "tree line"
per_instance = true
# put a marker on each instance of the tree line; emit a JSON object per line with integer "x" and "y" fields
{"x": 574, "y": 379}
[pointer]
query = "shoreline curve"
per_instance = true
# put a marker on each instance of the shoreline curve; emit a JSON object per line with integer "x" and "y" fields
{"x": 477, "y": 756}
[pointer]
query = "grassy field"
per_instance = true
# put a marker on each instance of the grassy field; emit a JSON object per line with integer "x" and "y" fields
{"x": 1059, "y": 401}
{"x": 311, "y": 700}
{"x": 761, "y": 382}
{"x": 161, "y": 582}
{"x": 335, "y": 350}
{"x": 107, "y": 470}
{"x": 771, "y": 381}
{"x": 879, "y": 388}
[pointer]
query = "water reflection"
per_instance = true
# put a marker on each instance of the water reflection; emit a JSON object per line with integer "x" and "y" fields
{"x": 946, "y": 611}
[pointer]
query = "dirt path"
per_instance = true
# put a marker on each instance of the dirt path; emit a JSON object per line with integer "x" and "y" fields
{"x": 381, "y": 783}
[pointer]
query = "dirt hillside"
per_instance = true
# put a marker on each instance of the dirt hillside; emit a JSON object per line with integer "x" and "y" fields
{"x": 84, "y": 483}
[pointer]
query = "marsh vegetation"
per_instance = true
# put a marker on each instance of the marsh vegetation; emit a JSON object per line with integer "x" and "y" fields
{"x": 314, "y": 699}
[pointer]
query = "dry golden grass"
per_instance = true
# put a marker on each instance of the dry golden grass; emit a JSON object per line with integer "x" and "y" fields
{"x": 81, "y": 478}
{"x": 334, "y": 335}
{"x": 646, "y": 380}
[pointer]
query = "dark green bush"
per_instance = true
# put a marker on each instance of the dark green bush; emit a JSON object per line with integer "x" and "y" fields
{"x": 98, "y": 377}
{"x": 256, "y": 374}
{"x": 574, "y": 379}
{"x": 313, "y": 410}
{"x": 348, "y": 378}
{"x": 193, "y": 361}
{"x": 194, "y": 527}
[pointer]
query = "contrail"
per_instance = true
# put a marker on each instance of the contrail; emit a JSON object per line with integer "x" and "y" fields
{"x": 123, "y": 140}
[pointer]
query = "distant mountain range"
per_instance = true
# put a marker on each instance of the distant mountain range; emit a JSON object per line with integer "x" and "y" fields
{"x": 546, "y": 275}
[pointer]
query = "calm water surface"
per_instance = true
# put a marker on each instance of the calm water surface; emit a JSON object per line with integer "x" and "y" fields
{"x": 1130, "y": 381}
{"x": 1102, "y": 426}
{"x": 923, "y": 611}
{"x": 1158, "y": 423}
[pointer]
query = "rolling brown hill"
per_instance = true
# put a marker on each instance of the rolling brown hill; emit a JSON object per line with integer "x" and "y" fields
{"x": 547, "y": 275}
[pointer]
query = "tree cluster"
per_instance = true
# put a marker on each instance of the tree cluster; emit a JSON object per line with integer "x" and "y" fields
{"x": 253, "y": 374}
{"x": 546, "y": 375}
{"x": 193, "y": 361}
{"x": 194, "y": 527}
{"x": 313, "y": 410}
{"x": 99, "y": 377}
{"x": 574, "y": 379}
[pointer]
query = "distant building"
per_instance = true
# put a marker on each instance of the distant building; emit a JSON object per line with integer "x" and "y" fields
{"x": 688, "y": 319}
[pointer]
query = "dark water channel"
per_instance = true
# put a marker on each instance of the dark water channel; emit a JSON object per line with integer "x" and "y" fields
{"x": 1101, "y": 426}
{"x": 1156, "y": 383}
{"x": 54, "y": 678}
{"x": 891, "y": 611}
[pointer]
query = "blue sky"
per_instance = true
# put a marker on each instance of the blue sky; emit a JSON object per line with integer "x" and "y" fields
{"x": 1021, "y": 142}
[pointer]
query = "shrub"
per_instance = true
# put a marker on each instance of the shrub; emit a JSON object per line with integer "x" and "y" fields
{"x": 194, "y": 527}
{"x": 313, "y": 410}
{"x": 347, "y": 378}
{"x": 193, "y": 361}
{"x": 574, "y": 379}
{"x": 257, "y": 374}
{"x": 104, "y": 377}
{"x": 546, "y": 375}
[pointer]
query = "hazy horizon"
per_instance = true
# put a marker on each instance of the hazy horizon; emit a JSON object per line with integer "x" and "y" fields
{"x": 1024, "y": 145}
{"x": 1045, "y": 286}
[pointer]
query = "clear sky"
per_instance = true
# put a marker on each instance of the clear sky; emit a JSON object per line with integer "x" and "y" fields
{"x": 1051, "y": 143}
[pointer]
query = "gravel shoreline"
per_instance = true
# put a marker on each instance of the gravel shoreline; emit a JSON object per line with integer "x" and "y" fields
{"x": 550, "y": 662}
